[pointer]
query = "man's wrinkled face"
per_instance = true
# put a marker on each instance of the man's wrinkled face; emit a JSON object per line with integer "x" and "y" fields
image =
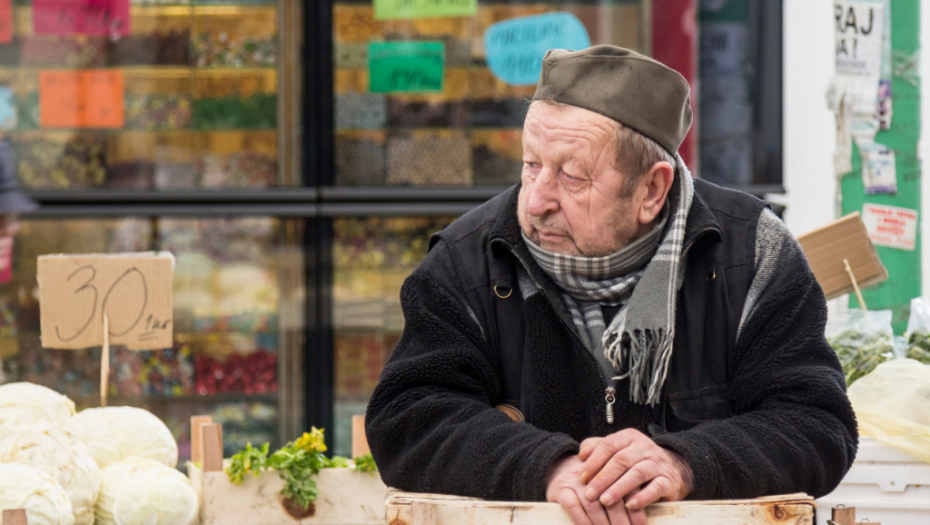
{"x": 572, "y": 200}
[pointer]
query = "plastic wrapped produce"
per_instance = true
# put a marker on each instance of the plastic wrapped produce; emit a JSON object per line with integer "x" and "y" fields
{"x": 25, "y": 487}
{"x": 57, "y": 453}
{"x": 144, "y": 491}
{"x": 113, "y": 434}
{"x": 862, "y": 340}
{"x": 24, "y": 403}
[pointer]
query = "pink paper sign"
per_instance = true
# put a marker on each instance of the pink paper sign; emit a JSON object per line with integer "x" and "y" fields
{"x": 81, "y": 17}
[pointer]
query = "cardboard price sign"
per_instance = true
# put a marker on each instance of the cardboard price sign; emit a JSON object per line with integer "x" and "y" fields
{"x": 134, "y": 290}
{"x": 81, "y": 17}
{"x": 91, "y": 98}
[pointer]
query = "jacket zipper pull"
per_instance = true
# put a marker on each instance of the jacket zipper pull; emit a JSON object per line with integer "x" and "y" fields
{"x": 610, "y": 398}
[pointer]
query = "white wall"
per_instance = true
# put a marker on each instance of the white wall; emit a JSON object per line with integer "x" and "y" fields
{"x": 809, "y": 134}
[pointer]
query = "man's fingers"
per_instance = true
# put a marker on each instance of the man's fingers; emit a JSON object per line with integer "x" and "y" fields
{"x": 637, "y": 517}
{"x": 616, "y": 467}
{"x": 618, "y": 514}
{"x": 588, "y": 446}
{"x": 657, "y": 489}
{"x": 640, "y": 474}
{"x": 603, "y": 452}
{"x": 572, "y": 505}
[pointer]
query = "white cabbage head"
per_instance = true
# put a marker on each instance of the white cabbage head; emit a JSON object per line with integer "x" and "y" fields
{"x": 55, "y": 452}
{"x": 25, "y": 487}
{"x": 25, "y": 403}
{"x": 141, "y": 491}
{"x": 113, "y": 434}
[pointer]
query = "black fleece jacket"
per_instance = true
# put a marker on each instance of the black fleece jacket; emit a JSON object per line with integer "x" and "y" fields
{"x": 755, "y": 400}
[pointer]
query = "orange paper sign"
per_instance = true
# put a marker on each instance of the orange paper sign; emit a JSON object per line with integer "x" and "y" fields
{"x": 6, "y": 22}
{"x": 81, "y": 99}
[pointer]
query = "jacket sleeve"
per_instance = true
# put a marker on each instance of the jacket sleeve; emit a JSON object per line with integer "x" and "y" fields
{"x": 793, "y": 429}
{"x": 430, "y": 422}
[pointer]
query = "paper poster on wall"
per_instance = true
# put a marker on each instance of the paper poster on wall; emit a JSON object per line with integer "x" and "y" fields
{"x": 81, "y": 17}
{"x": 405, "y": 66}
{"x": 405, "y": 9}
{"x": 862, "y": 39}
{"x": 891, "y": 226}
{"x": 91, "y": 98}
{"x": 879, "y": 174}
{"x": 515, "y": 48}
{"x": 6, "y": 22}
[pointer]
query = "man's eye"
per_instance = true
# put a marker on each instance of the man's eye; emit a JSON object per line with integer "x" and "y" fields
{"x": 531, "y": 165}
{"x": 570, "y": 179}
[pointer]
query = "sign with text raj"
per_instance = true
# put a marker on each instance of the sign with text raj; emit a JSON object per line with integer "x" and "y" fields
{"x": 81, "y": 17}
{"x": 891, "y": 226}
{"x": 515, "y": 48}
{"x": 133, "y": 289}
{"x": 405, "y": 66}
{"x": 859, "y": 38}
{"x": 401, "y": 9}
{"x": 91, "y": 98}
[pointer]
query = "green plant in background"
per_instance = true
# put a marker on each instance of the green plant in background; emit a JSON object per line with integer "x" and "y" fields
{"x": 298, "y": 464}
{"x": 918, "y": 346}
{"x": 860, "y": 353}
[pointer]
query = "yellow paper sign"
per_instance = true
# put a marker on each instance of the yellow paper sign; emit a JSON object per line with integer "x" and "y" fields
{"x": 133, "y": 290}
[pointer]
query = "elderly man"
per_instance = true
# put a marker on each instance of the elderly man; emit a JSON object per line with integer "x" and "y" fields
{"x": 650, "y": 338}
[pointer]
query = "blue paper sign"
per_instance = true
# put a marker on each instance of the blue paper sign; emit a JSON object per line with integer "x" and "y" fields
{"x": 515, "y": 48}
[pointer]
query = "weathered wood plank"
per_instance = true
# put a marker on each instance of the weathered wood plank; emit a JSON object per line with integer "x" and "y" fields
{"x": 779, "y": 510}
{"x": 346, "y": 498}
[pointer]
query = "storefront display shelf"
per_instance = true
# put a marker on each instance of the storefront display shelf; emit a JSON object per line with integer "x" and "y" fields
{"x": 226, "y": 397}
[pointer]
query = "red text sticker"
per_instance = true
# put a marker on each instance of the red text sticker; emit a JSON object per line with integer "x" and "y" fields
{"x": 6, "y": 22}
{"x": 80, "y": 17}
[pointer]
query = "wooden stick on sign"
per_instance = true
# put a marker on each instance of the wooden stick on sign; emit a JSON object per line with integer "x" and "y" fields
{"x": 197, "y": 423}
{"x": 15, "y": 517}
{"x": 865, "y": 309}
{"x": 105, "y": 362}
{"x": 359, "y": 440}
{"x": 212, "y": 447}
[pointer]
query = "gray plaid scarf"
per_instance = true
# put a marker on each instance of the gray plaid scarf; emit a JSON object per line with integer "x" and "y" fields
{"x": 643, "y": 279}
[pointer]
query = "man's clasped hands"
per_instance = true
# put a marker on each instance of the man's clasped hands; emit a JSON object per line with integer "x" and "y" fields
{"x": 614, "y": 478}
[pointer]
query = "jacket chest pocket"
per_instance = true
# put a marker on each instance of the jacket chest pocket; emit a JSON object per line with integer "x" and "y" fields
{"x": 687, "y": 409}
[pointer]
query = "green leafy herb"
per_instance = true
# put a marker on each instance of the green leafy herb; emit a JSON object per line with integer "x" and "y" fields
{"x": 860, "y": 353}
{"x": 365, "y": 463}
{"x": 298, "y": 464}
{"x": 918, "y": 346}
{"x": 247, "y": 460}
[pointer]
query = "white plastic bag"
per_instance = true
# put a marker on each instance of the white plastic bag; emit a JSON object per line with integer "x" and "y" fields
{"x": 918, "y": 331}
{"x": 892, "y": 405}
{"x": 862, "y": 340}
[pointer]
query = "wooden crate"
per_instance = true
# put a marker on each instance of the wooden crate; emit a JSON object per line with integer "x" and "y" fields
{"x": 431, "y": 509}
{"x": 345, "y": 497}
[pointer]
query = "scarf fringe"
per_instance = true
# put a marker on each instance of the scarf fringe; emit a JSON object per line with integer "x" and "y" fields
{"x": 648, "y": 352}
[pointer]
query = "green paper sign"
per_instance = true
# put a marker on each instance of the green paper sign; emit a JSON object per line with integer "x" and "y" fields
{"x": 405, "y": 66}
{"x": 400, "y": 9}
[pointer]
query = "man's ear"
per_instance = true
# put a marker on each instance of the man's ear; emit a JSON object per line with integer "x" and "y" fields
{"x": 655, "y": 185}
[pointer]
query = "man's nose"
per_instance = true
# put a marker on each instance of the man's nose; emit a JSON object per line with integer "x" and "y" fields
{"x": 544, "y": 193}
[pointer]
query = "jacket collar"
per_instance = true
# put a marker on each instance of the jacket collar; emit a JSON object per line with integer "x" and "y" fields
{"x": 701, "y": 222}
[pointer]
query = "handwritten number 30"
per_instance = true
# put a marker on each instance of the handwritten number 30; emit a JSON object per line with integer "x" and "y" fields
{"x": 88, "y": 286}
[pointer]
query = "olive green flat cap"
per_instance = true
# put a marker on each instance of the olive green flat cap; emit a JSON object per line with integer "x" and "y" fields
{"x": 632, "y": 89}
